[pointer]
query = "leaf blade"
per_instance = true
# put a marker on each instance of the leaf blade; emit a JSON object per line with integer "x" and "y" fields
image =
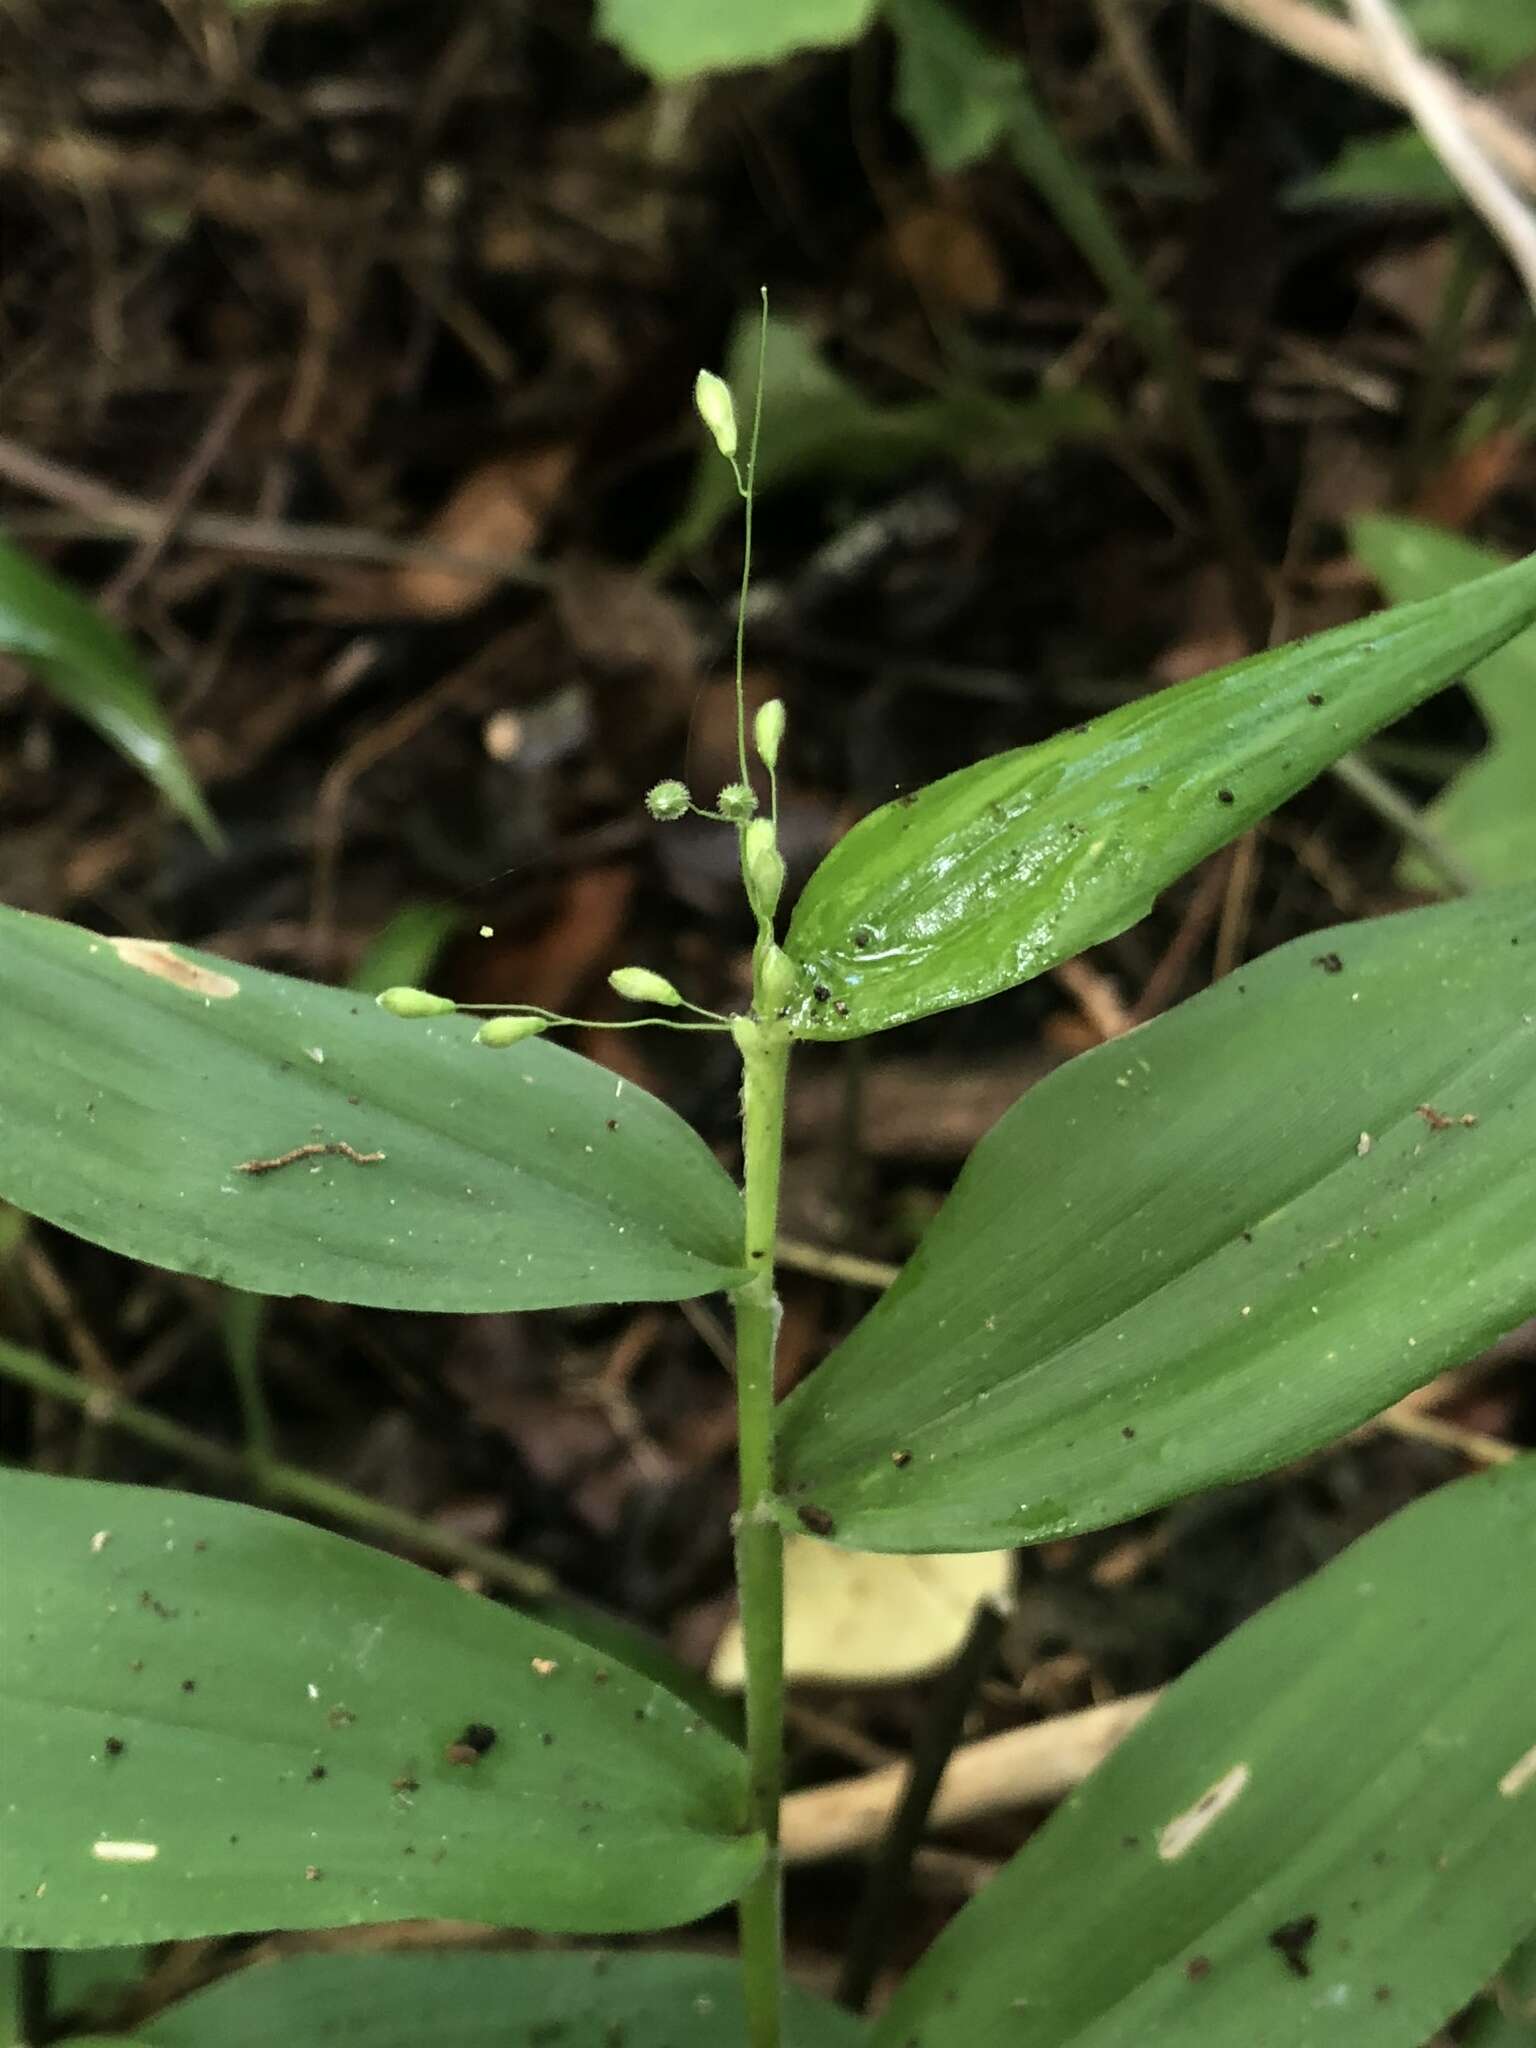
{"x": 1172, "y": 1266}
{"x": 489, "y": 2001}
{"x": 1487, "y": 814}
{"x": 688, "y": 38}
{"x": 1358, "y": 1873}
{"x": 515, "y": 1179}
{"x": 994, "y": 874}
{"x": 92, "y": 668}
{"x": 204, "y": 1703}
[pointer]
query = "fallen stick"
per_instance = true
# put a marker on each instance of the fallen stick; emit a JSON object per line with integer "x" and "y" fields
{"x": 1032, "y": 1766}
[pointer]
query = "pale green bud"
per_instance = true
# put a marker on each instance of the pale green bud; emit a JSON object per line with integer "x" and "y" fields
{"x": 641, "y": 985}
{"x": 668, "y": 800}
{"x": 414, "y": 1002}
{"x": 764, "y": 866}
{"x": 777, "y": 977}
{"x": 768, "y": 731}
{"x": 510, "y": 1030}
{"x": 736, "y": 802}
{"x": 717, "y": 409}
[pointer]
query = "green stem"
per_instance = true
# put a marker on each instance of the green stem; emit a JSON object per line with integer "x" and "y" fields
{"x": 1388, "y": 802}
{"x": 280, "y": 1481}
{"x": 242, "y": 1325}
{"x": 759, "y": 1543}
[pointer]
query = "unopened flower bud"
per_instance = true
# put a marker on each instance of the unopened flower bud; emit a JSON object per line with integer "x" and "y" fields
{"x": 776, "y": 980}
{"x": 510, "y": 1030}
{"x": 768, "y": 731}
{"x": 764, "y": 866}
{"x": 717, "y": 409}
{"x": 642, "y": 985}
{"x": 737, "y": 802}
{"x": 668, "y": 800}
{"x": 414, "y": 1002}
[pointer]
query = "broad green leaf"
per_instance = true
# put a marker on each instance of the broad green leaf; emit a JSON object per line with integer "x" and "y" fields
{"x": 818, "y": 424}
{"x": 956, "y": 94}
{"x": 996, "y": 873}
{"x": 1203, "y": 1248}
{"x": 136, "y": 1079}
{"x": 403, "y": 952}
{"x": 1325, "y": 1833}
{"x": 675, "y": 39}
{"x": 1488, "y": 815}
{"x": 1398, "y": 167}
{"x": 458, "y": 1999}
{"x": 214, "y": 1719}
{"x": 88, "y": 665}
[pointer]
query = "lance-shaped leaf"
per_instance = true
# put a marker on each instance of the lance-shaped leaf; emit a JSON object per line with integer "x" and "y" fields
{"x": 1488, "y": 814}
{"x": 591, "y": 1999}
{"x": 1203, "y": 1248}
{"x": 1324, "y": 1834}
{"x": 212, "y": 1719}
{"x": 998, "y": 872}
{"x": 91, "y": 667}
{"x": 148, "y": 1096}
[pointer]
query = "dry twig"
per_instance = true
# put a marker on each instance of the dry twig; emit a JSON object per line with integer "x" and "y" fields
{"x": 1027, "y": 1766}
{"x": 1321, "y": 39}
{"x": 1441, "y": 119}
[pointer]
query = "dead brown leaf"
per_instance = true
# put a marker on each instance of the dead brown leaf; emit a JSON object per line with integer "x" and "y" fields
{"x": 950, "y": 258}
{"x": 501, "y": 508}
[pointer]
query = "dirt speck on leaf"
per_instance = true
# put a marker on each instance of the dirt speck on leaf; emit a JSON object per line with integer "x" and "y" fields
{"x": 1293, "y": 1940}
{"x": 1439, "y": 1121}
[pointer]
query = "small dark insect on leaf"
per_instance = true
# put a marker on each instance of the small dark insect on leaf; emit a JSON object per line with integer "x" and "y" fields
{"x": 473, "y": 1744}
{"x": 1197, "y": 1967}
{"x": 114, "y": 1745}
{"x": 1330, "y": 963}
{"x": 407, "y": 1784}
{"x": 1226, "y": 796}
{"x": 841, "y": 1008}
{"x": 1314, "y": 698}
{"x": 1292, "y": 1941}
{"x": 901, "y": 1460}
{"x": 822, "y": 993}
{"x": 816, "y": 1519}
